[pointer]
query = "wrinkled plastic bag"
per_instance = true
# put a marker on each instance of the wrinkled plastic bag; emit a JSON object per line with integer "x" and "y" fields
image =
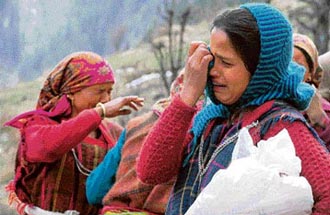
{"x": 259, "y": 180}
{"x": 32, "y": 210}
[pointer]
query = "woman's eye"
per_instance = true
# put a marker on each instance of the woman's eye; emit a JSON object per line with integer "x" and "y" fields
{"x": 226, "y": 63}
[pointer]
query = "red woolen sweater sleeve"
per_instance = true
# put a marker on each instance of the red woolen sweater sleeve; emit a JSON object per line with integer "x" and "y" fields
{"x": 160, "y": 157}
{"x": 46, "y": 141}
{"x": 315, "y": 162}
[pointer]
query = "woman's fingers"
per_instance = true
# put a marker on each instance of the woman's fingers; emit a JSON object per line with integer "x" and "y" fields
{"x": 123, "y": 105}
{"x": 124, "y": 111}
{"x": 195, "y": 73}
{"x": 199, "y": 60}
{"x": 138, "y": 101}
{"x": 206, "y": 60}
{"x": 194, "y": 45}
{"x": 134, "y": 102}
{"x": 133, "y": 106}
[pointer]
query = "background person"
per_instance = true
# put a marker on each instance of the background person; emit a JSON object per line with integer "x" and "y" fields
{"x": 120, "y": 191}
{"x": 318, "y": 113}
{"x": 324, "y": 61}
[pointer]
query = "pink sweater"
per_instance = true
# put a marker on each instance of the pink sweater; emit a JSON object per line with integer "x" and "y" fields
{"x": 46, "y": 173}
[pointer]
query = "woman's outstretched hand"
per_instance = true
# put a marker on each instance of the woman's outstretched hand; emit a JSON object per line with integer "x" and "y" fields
{"x": 121, "y": 106}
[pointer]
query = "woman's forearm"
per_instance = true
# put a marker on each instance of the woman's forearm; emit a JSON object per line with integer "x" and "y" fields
{"x": 46, "y": 142}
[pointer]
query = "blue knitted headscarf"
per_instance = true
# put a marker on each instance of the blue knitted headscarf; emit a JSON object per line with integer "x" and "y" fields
{"x": 276, "y": 76}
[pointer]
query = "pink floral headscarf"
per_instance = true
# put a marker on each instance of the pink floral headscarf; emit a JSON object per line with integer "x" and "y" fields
{"x": 73, "y": 73}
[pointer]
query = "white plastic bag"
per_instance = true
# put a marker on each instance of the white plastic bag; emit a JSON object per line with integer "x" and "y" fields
{"x": 259, "y": 180}
{"x": 32, "y": 210}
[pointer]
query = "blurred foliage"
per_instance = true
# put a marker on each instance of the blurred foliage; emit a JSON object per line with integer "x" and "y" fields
{"x": 43, "y": 32}
{"x": 35, "y": 34}
{"x": 140, "y": 58}
{"x": 312, "y": 18}
{"x": 10, "y": 46}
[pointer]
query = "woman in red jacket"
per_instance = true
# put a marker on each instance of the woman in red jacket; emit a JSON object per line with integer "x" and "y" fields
{"x": 66, "y": 137}
{"x": 254, "y": 84}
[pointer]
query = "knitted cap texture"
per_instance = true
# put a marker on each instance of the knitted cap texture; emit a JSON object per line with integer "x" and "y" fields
{"x": 276, "y": 47}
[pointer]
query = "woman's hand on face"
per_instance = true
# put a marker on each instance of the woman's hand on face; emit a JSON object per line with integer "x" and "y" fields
{"x": 195, "y": 76}
{"x": 122, "y": 105}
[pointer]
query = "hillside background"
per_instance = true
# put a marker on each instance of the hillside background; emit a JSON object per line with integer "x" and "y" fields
{"x": 36, "y": 34}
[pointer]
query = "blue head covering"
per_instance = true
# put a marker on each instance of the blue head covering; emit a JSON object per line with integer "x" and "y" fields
{"x": 276, "y": 76}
